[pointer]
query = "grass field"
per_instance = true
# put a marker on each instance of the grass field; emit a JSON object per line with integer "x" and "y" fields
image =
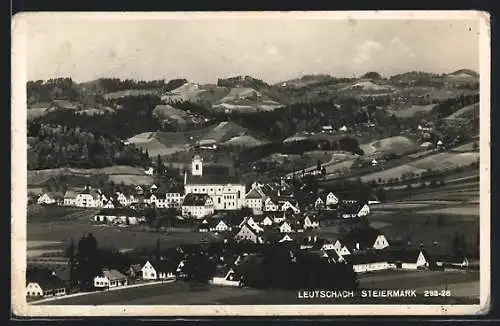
{"x": 117, "y": 173}
{"x": 465, "y": 112}
{"x": 438, "y": 161}
{"x": 410, "y": 111}
{"x": 397, "y": 145}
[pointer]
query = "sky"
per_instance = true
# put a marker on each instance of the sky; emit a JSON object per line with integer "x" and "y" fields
{"x": 269, "y": 48}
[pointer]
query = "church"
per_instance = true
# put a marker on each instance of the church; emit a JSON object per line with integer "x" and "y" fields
{"x": 226, "y": 191}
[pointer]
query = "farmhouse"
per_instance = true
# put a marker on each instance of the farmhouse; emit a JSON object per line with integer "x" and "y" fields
{"x": 270, "y": 206}
{"x": 406, "y": 258}
{"x": 69, "y": 198}
{"x": 369, "y": 261}
{"x": 220, "y": 226}
{"x": 197, "y": 205}
{"x": 252, "y": 223}
{"x": 254, "y": 200}
{"x": 46, "y": 199}
{"x": 158, "y": 270}
{"x": 248, "y": 234}
{"x": 352, "y": 209}
{"x": 110, "y": 279}
{"x": 266, "y": 221}
{"x": 226, "y": 192}
{"x": 310, "y": 223}
{"x": 225, "y": 276}
{"x": 289, "y": 206}
{"x": 43, "y": 283}
{"x": 285, "y": 227}
{"x": 361, "y": 239}
{"x": 118, "y": 215}
{"x": 88, "y": 198}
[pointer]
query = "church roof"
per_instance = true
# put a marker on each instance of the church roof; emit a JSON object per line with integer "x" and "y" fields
{"x": 207, "y": 179}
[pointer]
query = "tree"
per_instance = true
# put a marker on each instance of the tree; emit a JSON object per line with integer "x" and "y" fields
{"x": 71, "y": 255}
{"x": 459, "y": 244}
{"x": 88, "y": 261}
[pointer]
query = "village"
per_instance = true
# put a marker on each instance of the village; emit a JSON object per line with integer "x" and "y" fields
{"x": 241, "y": 223}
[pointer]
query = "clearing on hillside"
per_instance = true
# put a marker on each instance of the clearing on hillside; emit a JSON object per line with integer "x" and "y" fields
{"x": 398, "y": 145}
{"x": 411, "y": 111}
{"x": 469, "y": 111}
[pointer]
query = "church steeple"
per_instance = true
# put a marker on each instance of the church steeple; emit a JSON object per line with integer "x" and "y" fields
{"x": 197, "y": 165}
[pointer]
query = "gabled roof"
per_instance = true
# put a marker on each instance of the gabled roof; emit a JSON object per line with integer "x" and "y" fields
{"x": 70, "y": 194}
{"x": 367, "y": 257}
{"x": 195, "y": 199}
{"x": 207, "y": 179}
{"x": 165, "y": 266}
{"x": 113, "y": 275}
{"x": 365, "y": 236}
{"x": 255, "y": 193}
{"x": 404, "y": 254}
{"x": 222, "y": 271}
{"x": 44, "y": 277}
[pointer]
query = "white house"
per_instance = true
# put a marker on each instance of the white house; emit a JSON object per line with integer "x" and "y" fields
{"x": 221, "y": 226}
{"x": 319, "y": 203}
{"x": 46, "y": 199}
{"x": 247, "y": 233}
{"x": 380, "y": 242}
{"x": 285, "y": 227}
{"x": 286, "y": 238}
{"x": 310, "y": 223}
{"x": 109, "y": 204}
{"x": 343, "y": 128}
{"x": 287, "y": 205}
{"x": 254, "y": 200}
{"x": 44, "y": 285}
{"x": 412, "y": 260}
{"x": 173, "y": 199}
{"x": 110, "y": 279}
{"x": 197, "y": 205}
{"x": 270, "y": 206}
{"x": 88, "y": 198}
{"x": 369, "y": 262}
{"x": 279, "y": 218}
{"x": 266, "y": 221}
{"x": 69, "y": 198}
{"x": 251, "y": 222}
{"x": 331, "y": 199}
{"x": 149, "y": 171}
{"x": 158, "y": 270}
{"x": 225, "y": 276}
{"x": 364, "y": 211}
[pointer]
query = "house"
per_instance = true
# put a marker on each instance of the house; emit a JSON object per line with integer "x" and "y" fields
{"x": 46, "y": 199}
{"x": 197, "y": 205}
{"x": 110, "y": 279}
{"x": 343, "y": 128}
{"x": 69, "y": 198}
{"x": 43, "y": 283}
{"x": 328, "y": 128}
{"x": 139, "y": 190}
{"x": 254, "y": 200}
{"x": 369, "y": 261}
{"x": 248, "y": 234}
{"x": 266, "y": 221}
{"x": 285, "y": 227}
{"x": 173, "y": 197}
{"x": 319, "y": 204}
{"x": 118, "y": 215}
{"x": 363, "y": 238}
{"x": 251, "y": 222}
{"x": 279, "y": 218}
{"x": 225, "y": 276}
{"x": 153, "y": 187}
{"x": 451, "y": 261}
{"x": 270, "y": 206}
{"x": 352, "y": 209}
{"x": 289, "y": 206}
{"x": 310, "y": 223}
{"x": 158, "y": 270}
{"x": 328, "y": 201}
{"x": 149, "y": 171}
{"x": 109, "y": 204}
{"x": 220, "y": 226}
{"x": 409, "y": 258}
{"x": 286, "y": 238}
{"x": 88, "y": 198}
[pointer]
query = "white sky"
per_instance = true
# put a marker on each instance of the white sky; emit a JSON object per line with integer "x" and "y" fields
{"x": 273, "y": 49}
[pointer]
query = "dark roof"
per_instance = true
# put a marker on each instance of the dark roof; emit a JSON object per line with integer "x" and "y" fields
{"x": 368, "y": 256}
{"x": 113, "y": 274}
{"x": 207, "y": 179}
{"x": 164, "y": 265}
{"x": 117, "y": 211}
{"x": 195, "y": 200}
{"x": 404, "y": 254}
{"x": 365, "y": 236}
{"x": 45, "y": 278}
{"x": 349, "y": 207}
{"x": 222, "y": 271}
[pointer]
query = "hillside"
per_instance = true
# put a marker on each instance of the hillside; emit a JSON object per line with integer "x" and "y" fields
{"x": 245, "y": 99}
{"x": 467, "y": 112}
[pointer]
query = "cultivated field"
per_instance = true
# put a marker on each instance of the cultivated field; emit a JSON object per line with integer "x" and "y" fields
{"x": 397, "y": 145}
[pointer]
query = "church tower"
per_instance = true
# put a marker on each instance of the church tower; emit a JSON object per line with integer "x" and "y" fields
{"x": 197, "y": 165}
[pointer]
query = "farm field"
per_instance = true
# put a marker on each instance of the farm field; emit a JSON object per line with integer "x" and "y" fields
{"x": 398, "y": 145}
{"x": 465, "y": 112}
{"x": 117, "y": 173}
{"x": 438, "y": 161}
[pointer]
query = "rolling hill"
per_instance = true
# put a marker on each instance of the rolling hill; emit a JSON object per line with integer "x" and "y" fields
{"x": 467, "y": 112}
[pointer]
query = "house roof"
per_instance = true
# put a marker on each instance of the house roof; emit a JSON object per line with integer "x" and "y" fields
{"x": 254, "y": 193}
{"x": 70, "y": 194}
{"x": 165, "y": 266}
{"x": 136, "y": 268}
{"x": 403, "y": 254}
{"x": 349, "y": 207}
{"x": 365, "y": 236}
{"x": 207, "y": 179}
{"x": 117, "y": 211}
{"x": 222, "y": 271}
{"x": 195, "y": 199}
{"x": 366, "y": 257}
{"x": 113, "y": 275}
{"x": 45, "y": 278}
